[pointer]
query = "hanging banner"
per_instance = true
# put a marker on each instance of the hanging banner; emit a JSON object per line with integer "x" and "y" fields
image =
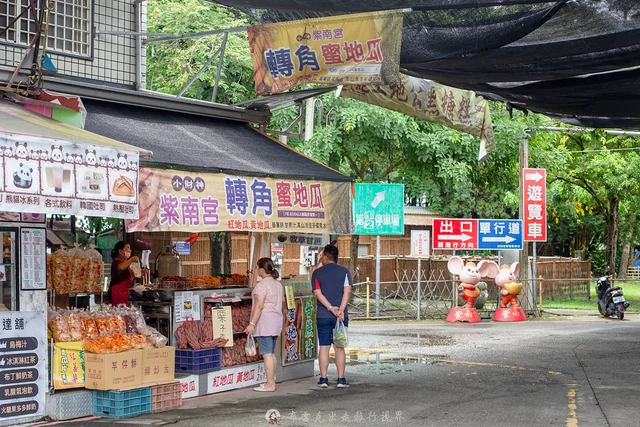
{"x": 291, "y": 351}
{"x": 426, "y": 100}
{"x": 348, "y": 49}
{"x": 308, "y": 338}
{"x": 173, "y": 200}
{"x": 67, "y": 178}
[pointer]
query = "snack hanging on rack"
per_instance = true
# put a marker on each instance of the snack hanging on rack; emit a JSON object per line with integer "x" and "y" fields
{"x": 89, "y": 328}
{"x": 75, "y": 325}
{"x": 59, "y": 327}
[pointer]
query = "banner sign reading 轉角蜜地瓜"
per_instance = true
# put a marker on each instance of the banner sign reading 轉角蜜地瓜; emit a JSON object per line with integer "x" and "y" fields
{"x": 172, "y": 200}
{"x": 426, "y": 100}
{"x": 348, "y": 49}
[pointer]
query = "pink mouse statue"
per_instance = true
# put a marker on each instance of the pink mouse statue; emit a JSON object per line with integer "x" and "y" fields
{"x": 470, "y": 275}
{"x": 505, "y": 278}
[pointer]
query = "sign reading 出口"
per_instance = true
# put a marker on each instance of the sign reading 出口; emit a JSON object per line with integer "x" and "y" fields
{"x": 173, "y": 200}
{"x": 360, "y": 48}
{"x": 477, "y": 234}
{"x": 535, "y": 204}
{"x": 379, "y": 209}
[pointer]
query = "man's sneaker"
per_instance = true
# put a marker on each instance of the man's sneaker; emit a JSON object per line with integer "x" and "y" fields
{"x": 342, "y": 383}
{"x": 323, "y": 382}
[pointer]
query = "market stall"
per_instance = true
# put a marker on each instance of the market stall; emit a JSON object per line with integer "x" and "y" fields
{"x": 175, "y": 203}
{"x": 49, "y": 167}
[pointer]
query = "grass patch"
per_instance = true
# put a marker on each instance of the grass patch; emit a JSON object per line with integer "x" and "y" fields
{"x": 631, "y": 293}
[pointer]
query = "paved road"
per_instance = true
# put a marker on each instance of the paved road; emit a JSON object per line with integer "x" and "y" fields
{"x": 582, "y": 371}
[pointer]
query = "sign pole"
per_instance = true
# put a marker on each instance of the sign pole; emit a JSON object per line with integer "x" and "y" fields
{"x": 534, "y": 280}
{"x": 454, "y": 294}
{"x": 524, "y": 254}
{"x": 419, "y": 290}
{"x": 377, "y": 275}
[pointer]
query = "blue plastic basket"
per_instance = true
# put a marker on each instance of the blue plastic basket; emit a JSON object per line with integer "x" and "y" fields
{"x": 122, "y": 404}
{"x": 198, "y": 361}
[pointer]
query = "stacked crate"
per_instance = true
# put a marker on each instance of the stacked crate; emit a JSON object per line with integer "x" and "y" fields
{"x": 166, "y": 397}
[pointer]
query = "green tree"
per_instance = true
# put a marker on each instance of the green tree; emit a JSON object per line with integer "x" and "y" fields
{"x": 170, "y": 65}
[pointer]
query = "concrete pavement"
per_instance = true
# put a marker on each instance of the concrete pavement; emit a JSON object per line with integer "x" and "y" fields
{"x": 581, "y": 371}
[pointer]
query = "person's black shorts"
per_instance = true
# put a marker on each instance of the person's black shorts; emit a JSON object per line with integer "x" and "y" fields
{"x": 325, "y": 329}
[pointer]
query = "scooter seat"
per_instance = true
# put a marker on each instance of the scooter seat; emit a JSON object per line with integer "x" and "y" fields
{"x": 615, "y": 288}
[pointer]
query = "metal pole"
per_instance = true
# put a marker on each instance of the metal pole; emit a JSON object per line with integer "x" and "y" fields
{"x": 378, "y": 276}
{"x": 215, "y": 85}
{"x": 524, "y": 254}
{"x": 204, "y": 67}
{"x": 419, "y": 290}
{"x": 138, "y": 11}
{"x": 454, "y": 293}
{"x": 534, "y": 281}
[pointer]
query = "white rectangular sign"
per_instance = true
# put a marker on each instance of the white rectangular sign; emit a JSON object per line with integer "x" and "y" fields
{"x": 23, "y": 364}
{"x": 33, "y": 254}
{"x": 190, "y": 386}
{"x": 420, "y": 243}
{"x": 236, "y": 377}
{"x": 67, "y": 178}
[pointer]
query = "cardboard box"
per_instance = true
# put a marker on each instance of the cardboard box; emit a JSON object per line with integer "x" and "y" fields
{"x": 113, "y": 371}
{"x": 158, "y": 364}
{"x": 68, "y": 365}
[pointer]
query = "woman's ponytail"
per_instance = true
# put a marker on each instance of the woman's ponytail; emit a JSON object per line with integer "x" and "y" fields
{"x": 269, "y": 268}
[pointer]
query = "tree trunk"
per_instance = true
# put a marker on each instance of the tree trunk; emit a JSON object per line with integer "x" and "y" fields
{"x": 612, "y": 234}
{"x": 626, "y": 260}
{"x": 353, "y": 262}
{"x": 220, "y": 244}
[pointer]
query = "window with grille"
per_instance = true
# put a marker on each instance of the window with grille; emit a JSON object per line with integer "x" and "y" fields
{"x": 69, "y": 25}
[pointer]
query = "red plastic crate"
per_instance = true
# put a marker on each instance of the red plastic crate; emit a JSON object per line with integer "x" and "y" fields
{"x": 166, "y": 397}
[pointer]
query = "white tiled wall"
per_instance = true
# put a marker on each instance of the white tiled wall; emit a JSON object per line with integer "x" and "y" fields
{"x": 113, "y": 56}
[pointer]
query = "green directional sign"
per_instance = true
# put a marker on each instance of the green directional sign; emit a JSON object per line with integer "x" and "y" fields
{"x": 379, "y": 209}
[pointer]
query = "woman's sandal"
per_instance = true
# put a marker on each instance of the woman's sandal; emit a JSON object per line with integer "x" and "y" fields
{"x": 262, "y": 389}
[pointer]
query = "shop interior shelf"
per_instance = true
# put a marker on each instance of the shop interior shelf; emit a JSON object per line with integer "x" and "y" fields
{"x": 198, "y": 361}
{"x": 122, "y": 404}
{"x": 166, "y": 397}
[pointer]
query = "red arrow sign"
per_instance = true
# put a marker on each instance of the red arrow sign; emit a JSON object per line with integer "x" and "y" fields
{"x": 451, "y": 233}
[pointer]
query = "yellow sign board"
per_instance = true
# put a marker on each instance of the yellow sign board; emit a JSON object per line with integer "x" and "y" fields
{"x": 291, "y": 302}
{"x": 361, "y": 48}
{"x": 222, "y": 324}
{"x": 68, "y": 365}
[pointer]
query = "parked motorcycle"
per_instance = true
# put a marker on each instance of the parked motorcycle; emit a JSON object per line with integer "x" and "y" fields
{"x": 611, "y": 301}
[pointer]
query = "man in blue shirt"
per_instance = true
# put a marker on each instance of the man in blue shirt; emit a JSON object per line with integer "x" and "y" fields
{"x": 331, "y": 285}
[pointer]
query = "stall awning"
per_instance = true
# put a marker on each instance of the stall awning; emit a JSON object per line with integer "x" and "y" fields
{"x": 203, "y": 144}
{"x": 17, "y": 120}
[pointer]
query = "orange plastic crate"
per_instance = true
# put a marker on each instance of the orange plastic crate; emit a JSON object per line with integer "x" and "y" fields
{"x": 166, "y": 397}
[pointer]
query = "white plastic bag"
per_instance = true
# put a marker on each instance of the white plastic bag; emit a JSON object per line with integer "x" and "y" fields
{"x": 340, "y": 337}
{"x": 137, "y": 270}
{"x": 250, "y": 347}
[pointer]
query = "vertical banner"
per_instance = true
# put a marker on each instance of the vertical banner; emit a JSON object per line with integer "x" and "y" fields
{"x": 291, "y": 341}
{"x": 308, "y": 341}
{"x": 222, "y": 324}
{"x": 361, "y": 48}
{"x": 535, "y": 204}
{"x": 23, "y": 364}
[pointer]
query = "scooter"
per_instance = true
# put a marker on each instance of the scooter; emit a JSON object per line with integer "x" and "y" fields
{"x": 611, "y": 301}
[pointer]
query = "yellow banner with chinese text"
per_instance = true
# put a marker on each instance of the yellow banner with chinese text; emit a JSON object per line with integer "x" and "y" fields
{"x": 430, "y": 101}
{"x": 361, "y": 48}
{"x": 172, "y": 200}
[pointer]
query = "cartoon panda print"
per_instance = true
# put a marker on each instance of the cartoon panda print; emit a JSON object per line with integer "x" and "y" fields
{"x": 133, "y": 166}
{"x": 122, "y": 161}
{"x": 35, "y": 154}
{"x": 103, "y": 162}
{"x": 111, "y": 163}
{"x": 70, "y": 158}
{"x": 23, "y": 177}
{"x": 6, "y": 151}
{"x": 90, "y": 158}
{"x": 44, "y": 155}
{"x": 56, "y": 154}
{"x": 78, "y": 159}
{"x": 21, "y": 150}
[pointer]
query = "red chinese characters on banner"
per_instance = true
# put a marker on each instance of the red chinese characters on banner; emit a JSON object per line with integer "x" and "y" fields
{"x": 535, "y": 205}
{"x": 451, "y": 233}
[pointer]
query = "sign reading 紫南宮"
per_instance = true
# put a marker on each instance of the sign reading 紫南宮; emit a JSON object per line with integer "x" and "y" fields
{"x": 379, "y": 209}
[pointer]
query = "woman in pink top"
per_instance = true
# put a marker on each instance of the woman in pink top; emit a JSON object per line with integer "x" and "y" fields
{"x": 267, "y": 318}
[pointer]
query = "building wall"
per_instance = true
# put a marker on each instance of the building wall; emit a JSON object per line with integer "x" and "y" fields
{"x": 110, "y": 58}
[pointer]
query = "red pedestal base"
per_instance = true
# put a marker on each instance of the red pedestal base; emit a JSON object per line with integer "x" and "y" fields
{"x": 461, "y": 314}
{"x": 514, "y": 314}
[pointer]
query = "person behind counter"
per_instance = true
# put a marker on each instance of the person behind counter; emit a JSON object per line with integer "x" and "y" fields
{"x": 121, "y": 274}
{"x": 267, "y": 318}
